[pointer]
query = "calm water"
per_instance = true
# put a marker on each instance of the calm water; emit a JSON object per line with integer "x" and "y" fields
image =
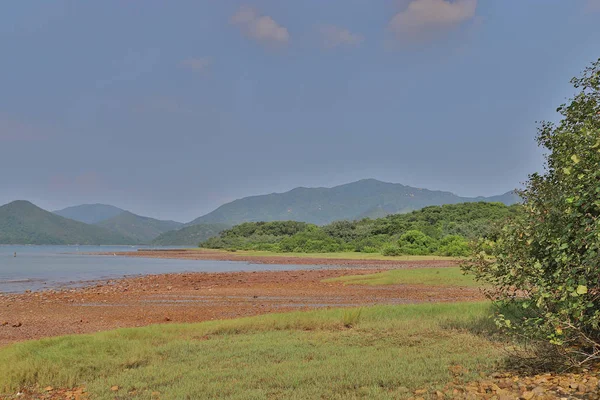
{"x": 44, "y": 267}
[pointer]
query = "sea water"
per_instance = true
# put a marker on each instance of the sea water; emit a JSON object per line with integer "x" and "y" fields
{"x": 51, "y": 267}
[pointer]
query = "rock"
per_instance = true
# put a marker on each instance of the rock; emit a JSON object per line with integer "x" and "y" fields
{"x": 48, "y": 388}
{"x": 17, "y": 325}
{"x": 527, "y": 395}
{"x": 539, "y": 390}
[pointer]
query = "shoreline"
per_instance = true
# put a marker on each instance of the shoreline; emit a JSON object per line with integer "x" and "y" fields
{"x": 281, "y": 259}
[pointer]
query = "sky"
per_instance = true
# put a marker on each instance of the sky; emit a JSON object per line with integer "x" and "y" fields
{"x": 172, "y": 108}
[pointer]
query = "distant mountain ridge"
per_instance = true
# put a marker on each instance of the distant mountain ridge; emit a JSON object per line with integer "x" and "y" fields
{"x": 365, "y": 198}
{"x": 140, "y": 229}
{"x": 22, "y": 222}
{"x": 90, "y": 213}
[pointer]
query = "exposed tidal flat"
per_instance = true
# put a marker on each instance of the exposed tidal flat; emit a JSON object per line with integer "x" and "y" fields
{"x": 33, "y": 268}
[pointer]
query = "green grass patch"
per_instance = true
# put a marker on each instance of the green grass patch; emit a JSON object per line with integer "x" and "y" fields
{"x": 449, "y": 276}
{"x": 376, "y": 353}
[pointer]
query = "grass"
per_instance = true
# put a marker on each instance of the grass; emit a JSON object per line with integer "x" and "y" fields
{"x": 381, "y": 352}
{"x": 449, "y": 276}
{"x": 348, "y": 255}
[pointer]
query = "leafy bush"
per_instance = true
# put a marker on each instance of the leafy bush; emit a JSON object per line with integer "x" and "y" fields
{"x": 373, "y": 242}
{"x": 312, "y": 240}
{"x": 454, "y": 246}
{"x": 546, "y": 261}
{"x": 417, "y": 243}
{"x": 391, "y": 250}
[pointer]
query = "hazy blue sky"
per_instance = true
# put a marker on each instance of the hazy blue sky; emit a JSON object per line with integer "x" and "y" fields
{"x": 171, "y": 108}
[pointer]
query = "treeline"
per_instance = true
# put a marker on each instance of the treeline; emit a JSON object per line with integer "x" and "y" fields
{"x": 441, "y": 230}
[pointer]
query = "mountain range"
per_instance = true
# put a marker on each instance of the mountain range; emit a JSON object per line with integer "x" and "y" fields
{"x": 24, "y": 223}
{"x": 367, "y": 198}
{"x": 139, "y": 229}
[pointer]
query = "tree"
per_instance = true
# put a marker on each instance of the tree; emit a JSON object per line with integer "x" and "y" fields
{"x": 547, "y": 261}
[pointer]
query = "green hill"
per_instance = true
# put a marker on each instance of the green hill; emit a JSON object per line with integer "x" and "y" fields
{"x": 22, "y": 222}
{"x": 141, "y": 230}
{"x": 90, "y": 213}
{"x": 442, "y": 230}
{"x": 365, "y": 198}
{"x": 190, "y": 235}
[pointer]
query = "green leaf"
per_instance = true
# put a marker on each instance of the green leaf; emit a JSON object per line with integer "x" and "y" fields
{"x": 575, "y": 158}
{"x": 581, "y": 289}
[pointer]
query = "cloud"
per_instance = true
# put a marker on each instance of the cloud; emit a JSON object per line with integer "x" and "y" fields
{"x": 424, "y": 18}
{"x": 261, "y": 28}
{"x": 197, "y": 64}
{"x": 334, "y": 36}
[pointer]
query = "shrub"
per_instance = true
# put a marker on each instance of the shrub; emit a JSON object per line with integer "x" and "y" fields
{"x": 373, "y": 242}
{"x": 546, "y": 261}
{"x": 391, "y": 250}
{"x": 416, "y": 242}
{"x": 312, "y": 240}
{"x": 454, "y": 246}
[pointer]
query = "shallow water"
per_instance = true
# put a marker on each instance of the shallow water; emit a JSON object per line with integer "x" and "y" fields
{"x": 46, "y": 267}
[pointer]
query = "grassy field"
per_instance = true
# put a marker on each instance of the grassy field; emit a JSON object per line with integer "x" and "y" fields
{"x": 382, "y": 352}
{"x": 349, "y": 255}
{"x": 449, "y": 276}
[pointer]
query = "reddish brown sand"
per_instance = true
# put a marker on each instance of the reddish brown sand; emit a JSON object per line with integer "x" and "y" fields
{"x": 194, "y": 297}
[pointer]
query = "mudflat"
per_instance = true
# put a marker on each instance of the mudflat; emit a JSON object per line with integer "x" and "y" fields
{"x": 195, "y": 297}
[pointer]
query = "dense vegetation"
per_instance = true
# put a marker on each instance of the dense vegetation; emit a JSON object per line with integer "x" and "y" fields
{"x": 142, "y": 230}
{"x": 367, "y": 198}
{"x": 547, "y": 261}
{"x": 190, "y": 235}
{"x": 442, "y": 230}
{"x": 24, "y": 223}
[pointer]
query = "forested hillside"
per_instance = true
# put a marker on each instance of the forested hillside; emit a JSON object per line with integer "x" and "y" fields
{"x": 443, "y": 230}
